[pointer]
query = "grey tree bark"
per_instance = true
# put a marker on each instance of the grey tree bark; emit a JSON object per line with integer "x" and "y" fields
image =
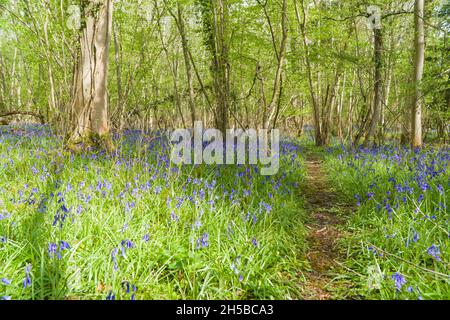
{"x": 419, "y": 46}
{"x": 90, "y": 103}
{"x": 378, "y": 87}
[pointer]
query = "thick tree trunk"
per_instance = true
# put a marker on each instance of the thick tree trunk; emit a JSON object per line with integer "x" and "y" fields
{"x": 90, "y": 104}
{"x": 416, "y": 120}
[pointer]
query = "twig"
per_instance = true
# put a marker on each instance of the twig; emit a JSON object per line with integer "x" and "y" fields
{"x": 410, "y": 263}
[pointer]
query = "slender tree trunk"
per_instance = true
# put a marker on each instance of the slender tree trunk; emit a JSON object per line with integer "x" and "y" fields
{"x": 13, "y": 101}
{"x": 385, "y": 104}
{"x": 416, "y": 120}
{"x": 120, "y": 104}
{"x": 173, "y": 65}
{"x": 3, "y": 94}
{"x": 52, "y": 97}
{"x": 184, "y": 42}
{"x": 330, "y": 100}
{"x": 378, "y": 57}
{"x": 340, "y": 109}
{"x": 351, "y": 104}
{"x": 315, "y": 104}
{"x": 273, "y": 107}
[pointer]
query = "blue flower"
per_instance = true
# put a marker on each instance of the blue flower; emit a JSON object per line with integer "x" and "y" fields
{"x": 266, "y": 206}
{"x": 421, "y": 197}
{"x": 64, "y": 245}
{"x": 197, "y": 224}
{"x": 124, "y": 228}
{"x": 434, "y": 252}
{"x": 127, "y": 244}
{"x": 52, "y": 248}
{"x": 6, "y": 281}
{"x": 27, "y": 280}
{"x": 399, "y": 280}
{"x": 6, "y": 298}
{"x": 388, "y": 208}
{"x": 113, "y": 258}
{"x": 110, "y": 296}
{"x": 358, "y": 200}
{"x": 4, "y": 216}
{"x": 416, "y": 237}
{"x": 202, "y": 242}
{"x": 174, "y": 217}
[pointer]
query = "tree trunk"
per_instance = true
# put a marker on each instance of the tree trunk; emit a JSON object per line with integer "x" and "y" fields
{"x": 52, "y": 97}
{"x": 339, "y": 110}
{"x": 184, "y": 42}
{"x": 3, "y": 93}
{"x": 385, "y": 104}
{"x": 273, "y": 107}
{"x": 378, "y": 53}
{"x": 416, "y": 120}
{"x": 120, "y": 103}
{"x": 221, "y": 66}
{"x": 13, "y": 101}
{"x": 314, "y": 102}
{"x": 90, "y": 104}
{"x": 351, "y": 103}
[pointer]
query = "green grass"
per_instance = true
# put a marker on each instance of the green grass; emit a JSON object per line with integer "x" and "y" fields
{"x": 394, "y": 230}
{"x": 107, "y": 200}
{"x": 133, "y": 220}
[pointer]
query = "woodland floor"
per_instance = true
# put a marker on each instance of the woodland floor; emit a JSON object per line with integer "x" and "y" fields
{"x": 325, "y": 220}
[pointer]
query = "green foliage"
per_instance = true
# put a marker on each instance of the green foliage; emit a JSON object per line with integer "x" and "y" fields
{"x": 97, "y": 203}
{"x": 401, "y": 222}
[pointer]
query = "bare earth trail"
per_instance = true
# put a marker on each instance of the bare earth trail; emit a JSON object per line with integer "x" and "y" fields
{"x": 325, "y": 215}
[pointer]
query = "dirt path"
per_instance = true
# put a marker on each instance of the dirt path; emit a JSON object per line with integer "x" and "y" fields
{"x": 323, "y": 221}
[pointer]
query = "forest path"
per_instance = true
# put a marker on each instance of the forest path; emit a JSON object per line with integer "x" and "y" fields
{"x": 324, "y": 217}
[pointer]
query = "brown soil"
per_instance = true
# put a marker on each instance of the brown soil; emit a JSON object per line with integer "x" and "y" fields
{"x": 323, "y": 223}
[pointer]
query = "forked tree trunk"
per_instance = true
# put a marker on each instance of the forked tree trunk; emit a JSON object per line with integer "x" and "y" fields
{"x": 90, "y": 104}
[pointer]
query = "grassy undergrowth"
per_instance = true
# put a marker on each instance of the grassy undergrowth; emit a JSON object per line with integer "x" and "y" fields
{"x": 399, "y": 242}
{"x": 133, "y": 226}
